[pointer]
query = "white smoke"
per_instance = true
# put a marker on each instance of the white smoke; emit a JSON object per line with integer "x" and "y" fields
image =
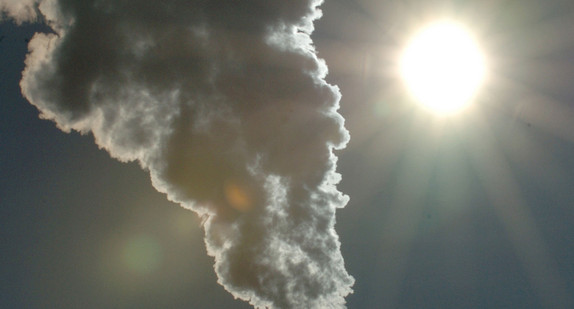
{"x": 18, "y": 10}
{"x": 225, "y": 104}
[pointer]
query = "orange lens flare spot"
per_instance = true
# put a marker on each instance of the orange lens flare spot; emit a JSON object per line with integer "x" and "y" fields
{"x": 238, "y": 197}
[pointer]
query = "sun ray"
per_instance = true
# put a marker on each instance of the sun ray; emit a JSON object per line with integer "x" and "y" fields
{"x": 502, "y": 131}
{"x": 406, "y": 209}
{"x": 506, "y": 198}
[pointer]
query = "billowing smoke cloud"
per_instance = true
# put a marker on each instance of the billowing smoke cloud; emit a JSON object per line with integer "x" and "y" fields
{"x": 19, "y": 10}
{"x": 225, "y": 104}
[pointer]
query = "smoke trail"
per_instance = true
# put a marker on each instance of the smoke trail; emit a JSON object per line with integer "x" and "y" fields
{"x": 18, "y": 10}
{"x": 225, "y": 104}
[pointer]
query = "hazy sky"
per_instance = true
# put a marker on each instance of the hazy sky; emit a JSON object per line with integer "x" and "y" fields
{"x": 474, "y": 211}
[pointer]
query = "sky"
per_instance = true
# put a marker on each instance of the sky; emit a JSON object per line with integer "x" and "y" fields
{"x": 470, "y": 211}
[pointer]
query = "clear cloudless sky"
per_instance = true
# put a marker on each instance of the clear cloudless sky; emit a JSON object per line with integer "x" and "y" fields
{"x": 471, "y": 211}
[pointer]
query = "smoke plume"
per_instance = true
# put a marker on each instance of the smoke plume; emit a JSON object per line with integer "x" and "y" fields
{"x": 225, "y": 104}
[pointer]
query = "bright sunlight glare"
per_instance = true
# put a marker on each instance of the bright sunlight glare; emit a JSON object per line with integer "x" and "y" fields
{"x": 443, "y": 67}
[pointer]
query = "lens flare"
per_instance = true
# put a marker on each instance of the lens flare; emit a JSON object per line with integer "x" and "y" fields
{"x": 142, "y": 254}
{"x": 238, "y": 196}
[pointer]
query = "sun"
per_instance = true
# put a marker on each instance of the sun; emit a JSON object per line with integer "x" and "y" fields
{"x": 443, "y": 67}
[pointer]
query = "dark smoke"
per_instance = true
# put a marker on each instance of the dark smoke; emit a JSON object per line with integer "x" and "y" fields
{"x": 225, "y": 104}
